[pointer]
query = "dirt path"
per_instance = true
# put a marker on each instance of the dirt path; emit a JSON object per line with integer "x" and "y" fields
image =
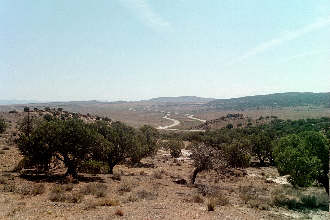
{"x": 193, "y": 118}
{"x": 175, "y": 123}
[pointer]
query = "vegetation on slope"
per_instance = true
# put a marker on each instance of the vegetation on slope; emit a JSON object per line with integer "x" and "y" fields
{"x": 291, "y": 99}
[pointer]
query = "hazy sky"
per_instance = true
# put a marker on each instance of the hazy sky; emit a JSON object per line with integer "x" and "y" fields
{"x": 138, "y": 49}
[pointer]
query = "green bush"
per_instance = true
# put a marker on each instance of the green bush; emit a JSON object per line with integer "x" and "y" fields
{"x": 175, "y": 148}
{"x": 305, "y": 157}
{"x": 237, "y": 153}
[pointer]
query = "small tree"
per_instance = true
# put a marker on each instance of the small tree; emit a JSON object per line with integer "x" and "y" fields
{"x": 71, "y": 141}
{"x": 206, "y": 158}
{"x": 305, "y": 157}
{"x": 145, "y": 143}
{"x": 262, "y": 147}
{"x": 122, "y": 141}
{"x": 237, "y": 153}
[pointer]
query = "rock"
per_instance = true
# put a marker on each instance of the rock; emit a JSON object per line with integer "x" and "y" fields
{"x": 180, "y": 181}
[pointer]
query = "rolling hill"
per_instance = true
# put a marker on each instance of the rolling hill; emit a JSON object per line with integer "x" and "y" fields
{"x": 289, "y": 99}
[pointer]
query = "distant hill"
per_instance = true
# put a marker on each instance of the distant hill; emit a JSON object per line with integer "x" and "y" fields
{"x": 182, "y": 99}
{"x": 16, "y": 102}
{"x": 290, "y": 99}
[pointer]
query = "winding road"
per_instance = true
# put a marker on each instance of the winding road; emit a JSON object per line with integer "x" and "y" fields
{"x": 177, "y": 122}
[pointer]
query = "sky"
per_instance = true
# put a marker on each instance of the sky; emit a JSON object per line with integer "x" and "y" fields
{"x": 139, "y": 49}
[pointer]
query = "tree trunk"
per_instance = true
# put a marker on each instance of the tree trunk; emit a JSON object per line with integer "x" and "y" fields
{"x": 72, "y": 168}
{"x": 193, "y": 177}
{"x": 111, "y": 166}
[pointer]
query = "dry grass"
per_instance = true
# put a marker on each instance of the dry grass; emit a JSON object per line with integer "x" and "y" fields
{"x": 23, "y": 189}
{"x": 96, "y": 189}
{"x": 59, "y": 194}
{"x": 197, "y": 199}
{"x": 158, "y": 174}
{"x": 211, "y": 204}
{"x": 125, "y": 187}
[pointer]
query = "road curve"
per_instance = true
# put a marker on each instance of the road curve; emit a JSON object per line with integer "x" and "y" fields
{"x": 193, "y": 118}
{"x": 175, "y": 123}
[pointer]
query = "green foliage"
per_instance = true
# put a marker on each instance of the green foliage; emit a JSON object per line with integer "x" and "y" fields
{"x": 71, "y": 141}
{"x": 3, "y": 125}
{"x": 291, "y": 99}
{"x": 305, "y": 157}
{"x": 145, "y": 143}
{"x": 237, "y": 153}
{"x": 175, "y": 148}
{"x": 262, "y": 147}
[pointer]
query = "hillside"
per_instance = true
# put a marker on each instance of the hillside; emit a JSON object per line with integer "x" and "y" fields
{"x": 290, "y": 99}
{"x": 182, "y": 99}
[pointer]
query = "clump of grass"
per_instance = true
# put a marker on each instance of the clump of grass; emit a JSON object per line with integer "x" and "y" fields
{"x": 59, "y": 194}
{"x": 119, "y": 212}
{"x": 36, "y": 189}
{"x": 197, "y": 199}
{"x": 211, "y": 204}
{"x": 108, "y": 202}
{"x": 103, "y": 202}
{"x": 158, "y": 174}
{"x": 74, "y": 197}
{"x": 143, "y": 194}
{"x": 96, "y": 189}
{"x": 125, "y": 187}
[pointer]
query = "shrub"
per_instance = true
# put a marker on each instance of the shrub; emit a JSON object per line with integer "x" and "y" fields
{"x": 305, "y": 157}
{"x": 237, "y": 153}
{"x": 175, "y": 148}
